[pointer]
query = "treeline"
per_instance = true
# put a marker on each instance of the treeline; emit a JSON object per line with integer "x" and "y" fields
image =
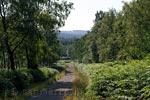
{"x": 66, "y": 47}
{"x": 123, "y": 35}
{"x": 28, "y": 32}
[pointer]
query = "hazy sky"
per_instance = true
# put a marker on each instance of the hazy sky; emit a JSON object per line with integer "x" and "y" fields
{"x": 81, "y": 18}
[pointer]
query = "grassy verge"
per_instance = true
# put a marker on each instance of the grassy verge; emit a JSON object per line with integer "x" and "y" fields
{"x": 23, "y": 83}
{"x": 37, "y": 87}
{"x": 80, "y": 88}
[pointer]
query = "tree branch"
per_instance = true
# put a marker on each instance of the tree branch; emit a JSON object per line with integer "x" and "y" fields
{"x": 19, "y": 43}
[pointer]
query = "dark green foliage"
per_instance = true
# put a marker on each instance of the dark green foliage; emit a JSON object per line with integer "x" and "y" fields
{"x": 60, "y": 66}
{"x": 28, "y": 31}
{"x": 5, "y": 84}
{"x": 28, "y": 39}
{"x": 66, "y": 47}
{"x": 22, "y": 78}
{"x": 123, "y": 35}
{"x": 99, "y": 16}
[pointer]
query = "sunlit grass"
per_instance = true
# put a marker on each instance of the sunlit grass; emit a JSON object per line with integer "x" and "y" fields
{"x": 79, "y": 88}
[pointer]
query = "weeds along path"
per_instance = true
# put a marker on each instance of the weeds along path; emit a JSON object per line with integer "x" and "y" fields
{"x": 59, "y": 90}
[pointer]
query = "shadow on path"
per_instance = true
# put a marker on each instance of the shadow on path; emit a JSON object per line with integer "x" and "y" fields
{"x": 59, "y": 90}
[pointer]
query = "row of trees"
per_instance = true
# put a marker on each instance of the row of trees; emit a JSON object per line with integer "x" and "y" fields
{"x": 28, "y": 32}
{"x": 117, "y": 35}
{"x": 66, "y": 47}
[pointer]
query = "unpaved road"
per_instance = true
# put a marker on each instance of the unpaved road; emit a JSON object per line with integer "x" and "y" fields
{"x": 59, "y": 90}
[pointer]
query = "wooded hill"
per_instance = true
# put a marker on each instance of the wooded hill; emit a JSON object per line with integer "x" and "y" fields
{"x": 75, "y": 34}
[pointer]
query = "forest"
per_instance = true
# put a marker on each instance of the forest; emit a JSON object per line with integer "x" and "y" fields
{"x": 28, "y": 41}
{"x": 123, "y": 35}
{"x": 114, "y": 57}
{"x": 29, "y": 31}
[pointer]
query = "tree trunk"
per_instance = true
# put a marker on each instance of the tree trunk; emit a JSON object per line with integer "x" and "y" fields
{"x": 4, "y": 60}
{"x": 31, "y": 62}
{"x": 11, "y": 56}
{"x": 12, "y": 61}
{"x": 10, "y": 53}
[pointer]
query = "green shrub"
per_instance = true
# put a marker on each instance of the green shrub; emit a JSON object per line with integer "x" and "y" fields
{"x": 37, "y": 74}
{"x": 48, "y": 72}
{"x": 116, "y": 79}
{"x": 60, "y": 66}
{"x": 5, "y": 84}
{"x": 22, "y": 78}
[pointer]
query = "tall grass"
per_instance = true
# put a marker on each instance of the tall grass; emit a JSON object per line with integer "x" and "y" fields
{"x": 80, "y": 88}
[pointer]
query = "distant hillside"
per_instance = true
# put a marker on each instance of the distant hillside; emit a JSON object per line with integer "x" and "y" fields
{"x": 71, "y": 34}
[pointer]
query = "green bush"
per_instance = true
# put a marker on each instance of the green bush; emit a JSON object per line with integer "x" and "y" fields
{"x": 115, "y": 79}
{"x": 5, "y": 84}
{"x": 38, "y": 75}
{"x": 22, "y": 78}
{"x": 48, "y": 72}
{"x": 60, "y": 66}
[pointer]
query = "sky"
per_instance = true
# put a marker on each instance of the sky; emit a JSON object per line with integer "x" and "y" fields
{"x": 83, "y": 14}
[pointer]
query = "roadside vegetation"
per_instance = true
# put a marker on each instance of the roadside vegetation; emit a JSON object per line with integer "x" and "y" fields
{"x": 29, "y": 46}
{"x": 117, "y": 80}
{"x": 115, "y": 54}
{"x": 79, "y": 87}
{"x": 13, "y": 84}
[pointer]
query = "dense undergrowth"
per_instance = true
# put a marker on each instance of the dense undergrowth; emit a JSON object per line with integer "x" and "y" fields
{"x": 117, "y": 80}
{"x": 17, "y": 81}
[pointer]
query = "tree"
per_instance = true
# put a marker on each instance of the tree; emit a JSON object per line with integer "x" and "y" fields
{"x": 123, "y": 35}
{"x": 10, "y": 35}
{"x": 137, "y": 28}
{"x": 27, "y": 24}
{"x": 99, "y": 16}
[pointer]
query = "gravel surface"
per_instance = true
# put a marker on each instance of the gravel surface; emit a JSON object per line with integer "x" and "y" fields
{"x": 59, "y": 90}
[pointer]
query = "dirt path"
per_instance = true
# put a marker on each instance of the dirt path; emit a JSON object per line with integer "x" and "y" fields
{"x": 59, "y": 90}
